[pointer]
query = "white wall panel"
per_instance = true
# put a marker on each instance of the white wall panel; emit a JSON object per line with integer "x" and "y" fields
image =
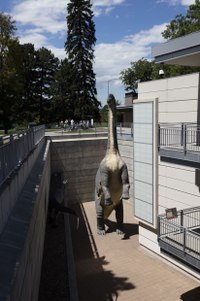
{"x": 143, "y": 152}
{"x": 143, "y": 132}
{"x": 144, "y": 160}
{"x": 188, "y": 199}
{"x": 177, "y": 117}
{"x": 143, "y": 172}
{"x": 181, "y": 82}
{"x": 185, "y": 174}
{"x": 180, "y": 185}
{"x": 184, "y": 93}
{"x": 178, "y": 106}
{"x": 143, "y": 191}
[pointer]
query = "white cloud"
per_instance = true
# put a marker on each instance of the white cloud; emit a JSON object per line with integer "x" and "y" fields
{"x": 46, "y": 15}
{"x": 40, "y": 21}
{"x": 111, "y": 59}
{"x": 107, "y": 2}
{"x": 39, "y": 40}
{"x": 178, "y": 2}
{"x": 50, "y": 15}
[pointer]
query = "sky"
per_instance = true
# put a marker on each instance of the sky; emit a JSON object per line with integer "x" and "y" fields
{"x": 125, "y": 32}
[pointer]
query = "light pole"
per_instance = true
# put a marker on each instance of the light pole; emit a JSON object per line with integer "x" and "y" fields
{"x": 108, "y": 84}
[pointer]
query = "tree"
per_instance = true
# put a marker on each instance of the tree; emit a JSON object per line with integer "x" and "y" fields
{"x": 61, "y": 106}
{"x": 79, "y": 48}
{"x": 144, "y": 70}
{"x": 183, "y": 25}
{"x": 45, "y": 69}
{"x": 28, "y": 73}
{"x": 139, "y": 71}
{"x": 9, "y": 83}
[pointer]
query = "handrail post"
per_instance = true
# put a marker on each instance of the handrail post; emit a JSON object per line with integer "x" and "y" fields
{"x": 158, "y": 227}
{"x": 159, "y": 137}
{"x": 184, "y": 239}
{"x": 182, "y": 133}
{"x": 181, "y": 221}
{"x": 184, "y": 139}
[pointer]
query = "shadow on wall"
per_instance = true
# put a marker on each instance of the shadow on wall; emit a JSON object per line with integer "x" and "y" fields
{"x": 197, "y": 171}
{"x": 192, "y": 295}
{"x": 197, "y": 177}
{"x": 94, "y": 283}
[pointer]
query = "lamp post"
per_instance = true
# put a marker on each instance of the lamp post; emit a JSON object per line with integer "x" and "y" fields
{"x": 108, "y": 84}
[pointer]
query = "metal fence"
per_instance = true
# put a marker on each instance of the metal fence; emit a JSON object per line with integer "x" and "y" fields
{"x": 181, "y": 232}
{"x": 125, "y": 130}
{"x": 184, "y": 137}
{"x": 15, "y": 148}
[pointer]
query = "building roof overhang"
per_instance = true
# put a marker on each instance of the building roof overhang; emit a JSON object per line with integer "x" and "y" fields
{"x": 124, "y": 108}
{"x": 183, "y": 51}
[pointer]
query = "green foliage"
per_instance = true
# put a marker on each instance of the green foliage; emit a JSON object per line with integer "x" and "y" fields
{"x": 183, "y": 25}
{"x": 9, "y": 85}
{"x": 104, "y": 114}
{"x": 138, "y": 72}
{"x": 60, "y": 89}
{"x": 143, "y": 70}
{"x": 79, "y": 48}
{"x": 45, "y": 69}
{"x": 25, "y": 109}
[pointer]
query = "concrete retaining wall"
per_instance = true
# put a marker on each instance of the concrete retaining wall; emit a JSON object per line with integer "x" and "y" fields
{"x": 10, "y": 191}
{"x": 21, "y": 242}
{"x": 79, "y": 160}
{"x": 25, "y": 203}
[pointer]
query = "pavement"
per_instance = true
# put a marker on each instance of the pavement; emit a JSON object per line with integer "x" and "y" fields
{"x": 118, "y": 268}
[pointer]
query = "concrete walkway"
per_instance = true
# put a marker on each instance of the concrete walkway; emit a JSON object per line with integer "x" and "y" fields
{"x": 117, "y": 268}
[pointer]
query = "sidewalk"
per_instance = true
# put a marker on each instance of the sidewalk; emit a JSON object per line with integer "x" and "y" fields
{"x": 117, "y": 268}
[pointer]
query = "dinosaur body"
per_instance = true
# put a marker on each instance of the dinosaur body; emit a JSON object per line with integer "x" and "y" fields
{"x": 112, "y": 182}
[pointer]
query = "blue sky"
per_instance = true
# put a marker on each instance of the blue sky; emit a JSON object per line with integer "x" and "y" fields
{"x": 125, "y": 32}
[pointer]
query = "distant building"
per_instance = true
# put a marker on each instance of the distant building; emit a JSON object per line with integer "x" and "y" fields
{"x": 125, "y": 111}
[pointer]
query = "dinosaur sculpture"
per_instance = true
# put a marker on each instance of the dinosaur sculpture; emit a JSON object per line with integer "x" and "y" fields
{"x": 112, "y": 181}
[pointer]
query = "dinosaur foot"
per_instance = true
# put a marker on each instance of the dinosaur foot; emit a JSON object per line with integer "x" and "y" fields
{"x": 101, "y": 232}
{"x": 119, "y": 232}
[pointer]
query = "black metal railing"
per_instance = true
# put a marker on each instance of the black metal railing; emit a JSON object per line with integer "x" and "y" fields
{"x": 181, "y": 235}
{"x": 15, "y": 148}
{"x": 184, "y": 137}
{"x": 125, "y": 130}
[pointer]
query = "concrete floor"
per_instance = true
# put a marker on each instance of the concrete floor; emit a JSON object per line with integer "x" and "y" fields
{"x": 117, "y": 268}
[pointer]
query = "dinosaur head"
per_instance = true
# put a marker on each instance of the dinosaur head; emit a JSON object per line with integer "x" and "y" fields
{"x": 111, "y": 101}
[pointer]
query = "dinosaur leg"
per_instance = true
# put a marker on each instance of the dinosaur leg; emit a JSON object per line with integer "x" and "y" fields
{"x": 125, "y": 182}
{"x": 119, "y": 213}
{"x": 100, "y": 217}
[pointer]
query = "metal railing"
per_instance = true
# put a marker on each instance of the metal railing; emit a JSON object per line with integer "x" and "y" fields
{"x": 125, "y": 130}
{"x": 182, "y": 232}
{"x": 184, "y": 137}
{"x": 15, "y": 148}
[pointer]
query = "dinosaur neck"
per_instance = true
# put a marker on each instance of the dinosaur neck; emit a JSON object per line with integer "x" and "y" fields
{"x": 112, "y": 147}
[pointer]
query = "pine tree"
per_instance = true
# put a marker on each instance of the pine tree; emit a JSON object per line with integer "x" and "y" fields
{"x": 45, "y": 69}
{"x": 27, "y": 62}
{"x": 61, "y": 107}
{"x": 79, "y": 48}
